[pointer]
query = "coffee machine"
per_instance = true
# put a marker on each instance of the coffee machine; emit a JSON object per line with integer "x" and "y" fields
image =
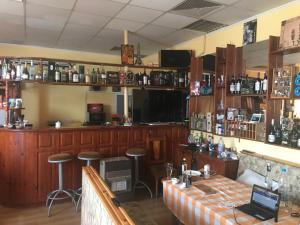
{"x": 96, "y": 114}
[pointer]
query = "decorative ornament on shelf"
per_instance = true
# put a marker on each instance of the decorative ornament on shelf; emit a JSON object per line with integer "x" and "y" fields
{"x": 138, "y": 60}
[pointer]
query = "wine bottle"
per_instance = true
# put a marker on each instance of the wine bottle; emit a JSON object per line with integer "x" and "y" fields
{"x": 238, "y": 85}
{"x": 265, "y": 84}
{"x": 13, "y": 71}
{"x": 57, "y": 74}
{"x": 181, "y": 80}
{"x": 75, "y": 75}
{"x": 19, "y": 71}
{"x": 4, "y": 69}
{"x": 145, "y": 78}
{"x": 257, "y": 87}
{"x": 64, "y": 75}
{"x": 70, "y": 74}
{"x": 271, "y": 135}
{"x": 278, "y": 135}
{"x": 232, "y": 86}
{"x": 31, "y": 71}
{"x": 103, "y": 76}
{"x": 25, "y": 73}
{"x": 294, "y": 137}
{"x": 94, "y": 76}
{"x": 39, "y": 74}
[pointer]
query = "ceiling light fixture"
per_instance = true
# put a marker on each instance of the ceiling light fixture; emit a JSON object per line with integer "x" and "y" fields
{"x": 20, "y": 1}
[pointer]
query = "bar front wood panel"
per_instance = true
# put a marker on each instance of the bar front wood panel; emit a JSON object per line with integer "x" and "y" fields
{"x": 26, "y": 177}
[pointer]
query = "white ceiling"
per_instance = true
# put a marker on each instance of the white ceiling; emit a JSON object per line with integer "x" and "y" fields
{"x": 97, "y": 25}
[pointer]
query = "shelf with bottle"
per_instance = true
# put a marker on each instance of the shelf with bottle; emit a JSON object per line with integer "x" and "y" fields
{"x": 63, "y": 74}
{"x": 249, "y": 87}
{"x": 205, "y": 87}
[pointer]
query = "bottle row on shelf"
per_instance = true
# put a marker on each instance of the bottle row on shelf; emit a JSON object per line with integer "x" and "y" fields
{"x": 247, "y": 85}
{"x": 53, "y": 72}
{"x": 286, "y": 132}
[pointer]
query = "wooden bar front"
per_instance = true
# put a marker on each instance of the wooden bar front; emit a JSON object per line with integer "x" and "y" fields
{"x": 26, "y": 177}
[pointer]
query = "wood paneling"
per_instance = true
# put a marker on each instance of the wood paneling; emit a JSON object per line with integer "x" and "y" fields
{"x": 26, "y": 177}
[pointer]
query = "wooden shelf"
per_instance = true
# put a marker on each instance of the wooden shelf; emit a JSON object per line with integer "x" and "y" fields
{"x": 102, "y": 85}
{"x": 95, "y": 63}
{"x": 248, "y": 95}
{"x": 287, "y": 51}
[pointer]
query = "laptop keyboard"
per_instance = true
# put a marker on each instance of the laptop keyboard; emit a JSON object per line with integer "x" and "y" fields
{"x": 255, "y": 211}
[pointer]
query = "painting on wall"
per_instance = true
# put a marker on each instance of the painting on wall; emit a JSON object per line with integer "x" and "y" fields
{"x": 290, "y": 33}
{"x": 127, "y": 54}
{"x": 249, "y": 32}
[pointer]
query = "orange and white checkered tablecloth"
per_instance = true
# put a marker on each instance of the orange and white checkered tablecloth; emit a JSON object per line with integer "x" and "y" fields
{"x": 193, "y": 206}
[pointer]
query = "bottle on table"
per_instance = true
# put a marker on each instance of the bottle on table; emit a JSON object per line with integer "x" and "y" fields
{"x": 271, "y": 135}
{"x": 221, "y": 147}
{"x": 182, "y": 166}
{"x": 268, "y": 179}
{"x": 283, "y": 187}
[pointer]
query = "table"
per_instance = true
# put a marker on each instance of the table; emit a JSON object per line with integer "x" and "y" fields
{"x": 194, "y": 206}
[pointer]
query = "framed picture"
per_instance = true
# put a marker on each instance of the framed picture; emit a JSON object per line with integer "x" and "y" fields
{"x": 127, "y": 54}
{"x": 290, "y": 33}
{"x": 249, "y": 32}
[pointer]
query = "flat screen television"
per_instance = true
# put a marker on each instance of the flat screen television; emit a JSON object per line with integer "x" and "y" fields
{"x": 150, "y": 106}
{"x": 175, "y": 58}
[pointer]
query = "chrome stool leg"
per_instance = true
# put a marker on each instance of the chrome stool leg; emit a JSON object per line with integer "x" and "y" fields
{"x": 137, "y": 181}
{"x": 88, "y": 163}
{"x": 60, "y": 190}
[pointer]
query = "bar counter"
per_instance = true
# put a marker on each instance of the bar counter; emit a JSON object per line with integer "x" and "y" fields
{"x": 26, "y": 177}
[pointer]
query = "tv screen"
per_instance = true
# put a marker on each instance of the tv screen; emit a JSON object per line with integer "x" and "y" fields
{"x": 175, "y": 58}
{"x": 150, "y": 106}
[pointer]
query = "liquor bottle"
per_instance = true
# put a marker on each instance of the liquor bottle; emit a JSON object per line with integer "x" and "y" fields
{"x": 81, "y": 73}
{"x": 181, "y": 80}
{"x": 87, "y": 77}
{"x": 31, "y": 71}
{"x": 64, "y": 75}
{"x": 39, "y": 74}
{"x": 70, "y": 74}
{"x": 268, "y": 179}
{"x": 265, "y": 84}
{"x": 221, "y": 147}
{"x": 8, "y": 72}
{"x": 13, "y": 71}
{"x": 103, "y": 76}
{"x": 294, "y": 137}
{"x": 98, "y": 76}
{"x": 140, "y": 78}
{"x": 232, "y": 86}
{"x": 4, "y": 69}
{"x": 175, "y": 79}
{"x": 45, "y": 75}
{"x": 257, "y": 87}
{"x": 145, "y": 78}
{"x": 238, "y": 86}
{"x": 298, "y": 142}
{"x": 0, "y": 69}
{"x": 94, "y": 76}
{"x": 183, "y": 166}
{"x": 25, "y": 73}
{"x": 57, "y": 74}
{"x": 271, "y": 135}
{"x": 75, "y": 75}
{"x": 19, "y": 71}
{"x": 278, "y": 135}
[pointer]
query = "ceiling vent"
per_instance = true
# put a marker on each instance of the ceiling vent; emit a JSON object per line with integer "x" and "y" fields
{"x": 195, "y": 8}
{"x": 204, "y": 26}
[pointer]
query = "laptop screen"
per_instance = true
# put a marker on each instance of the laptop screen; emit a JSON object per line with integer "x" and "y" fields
{"x": 265, "y": 198}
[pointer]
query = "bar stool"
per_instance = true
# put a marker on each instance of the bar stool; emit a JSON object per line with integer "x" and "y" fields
{"x": 87, "y": 156}
{"x": 59, "y": 159}
{"x": 136, "y": 153}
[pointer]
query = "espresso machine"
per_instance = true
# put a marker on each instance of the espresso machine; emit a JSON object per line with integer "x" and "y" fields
{"x": 96, "y": 114}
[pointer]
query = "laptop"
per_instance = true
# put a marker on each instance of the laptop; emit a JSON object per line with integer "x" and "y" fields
{"x": 264, "y": 204}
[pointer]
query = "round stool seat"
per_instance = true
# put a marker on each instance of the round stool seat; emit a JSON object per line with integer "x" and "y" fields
{"x": 89, "y": 155}
{"x": 59, "y": 158}
{"x": 136, "y": 152}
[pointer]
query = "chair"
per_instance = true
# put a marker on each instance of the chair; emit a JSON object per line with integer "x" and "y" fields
{"x": 137, "y": 153}
{"x": 59, "y": 159}
{"x": 87, "y": 156}
{"x": 156, "y": 148}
